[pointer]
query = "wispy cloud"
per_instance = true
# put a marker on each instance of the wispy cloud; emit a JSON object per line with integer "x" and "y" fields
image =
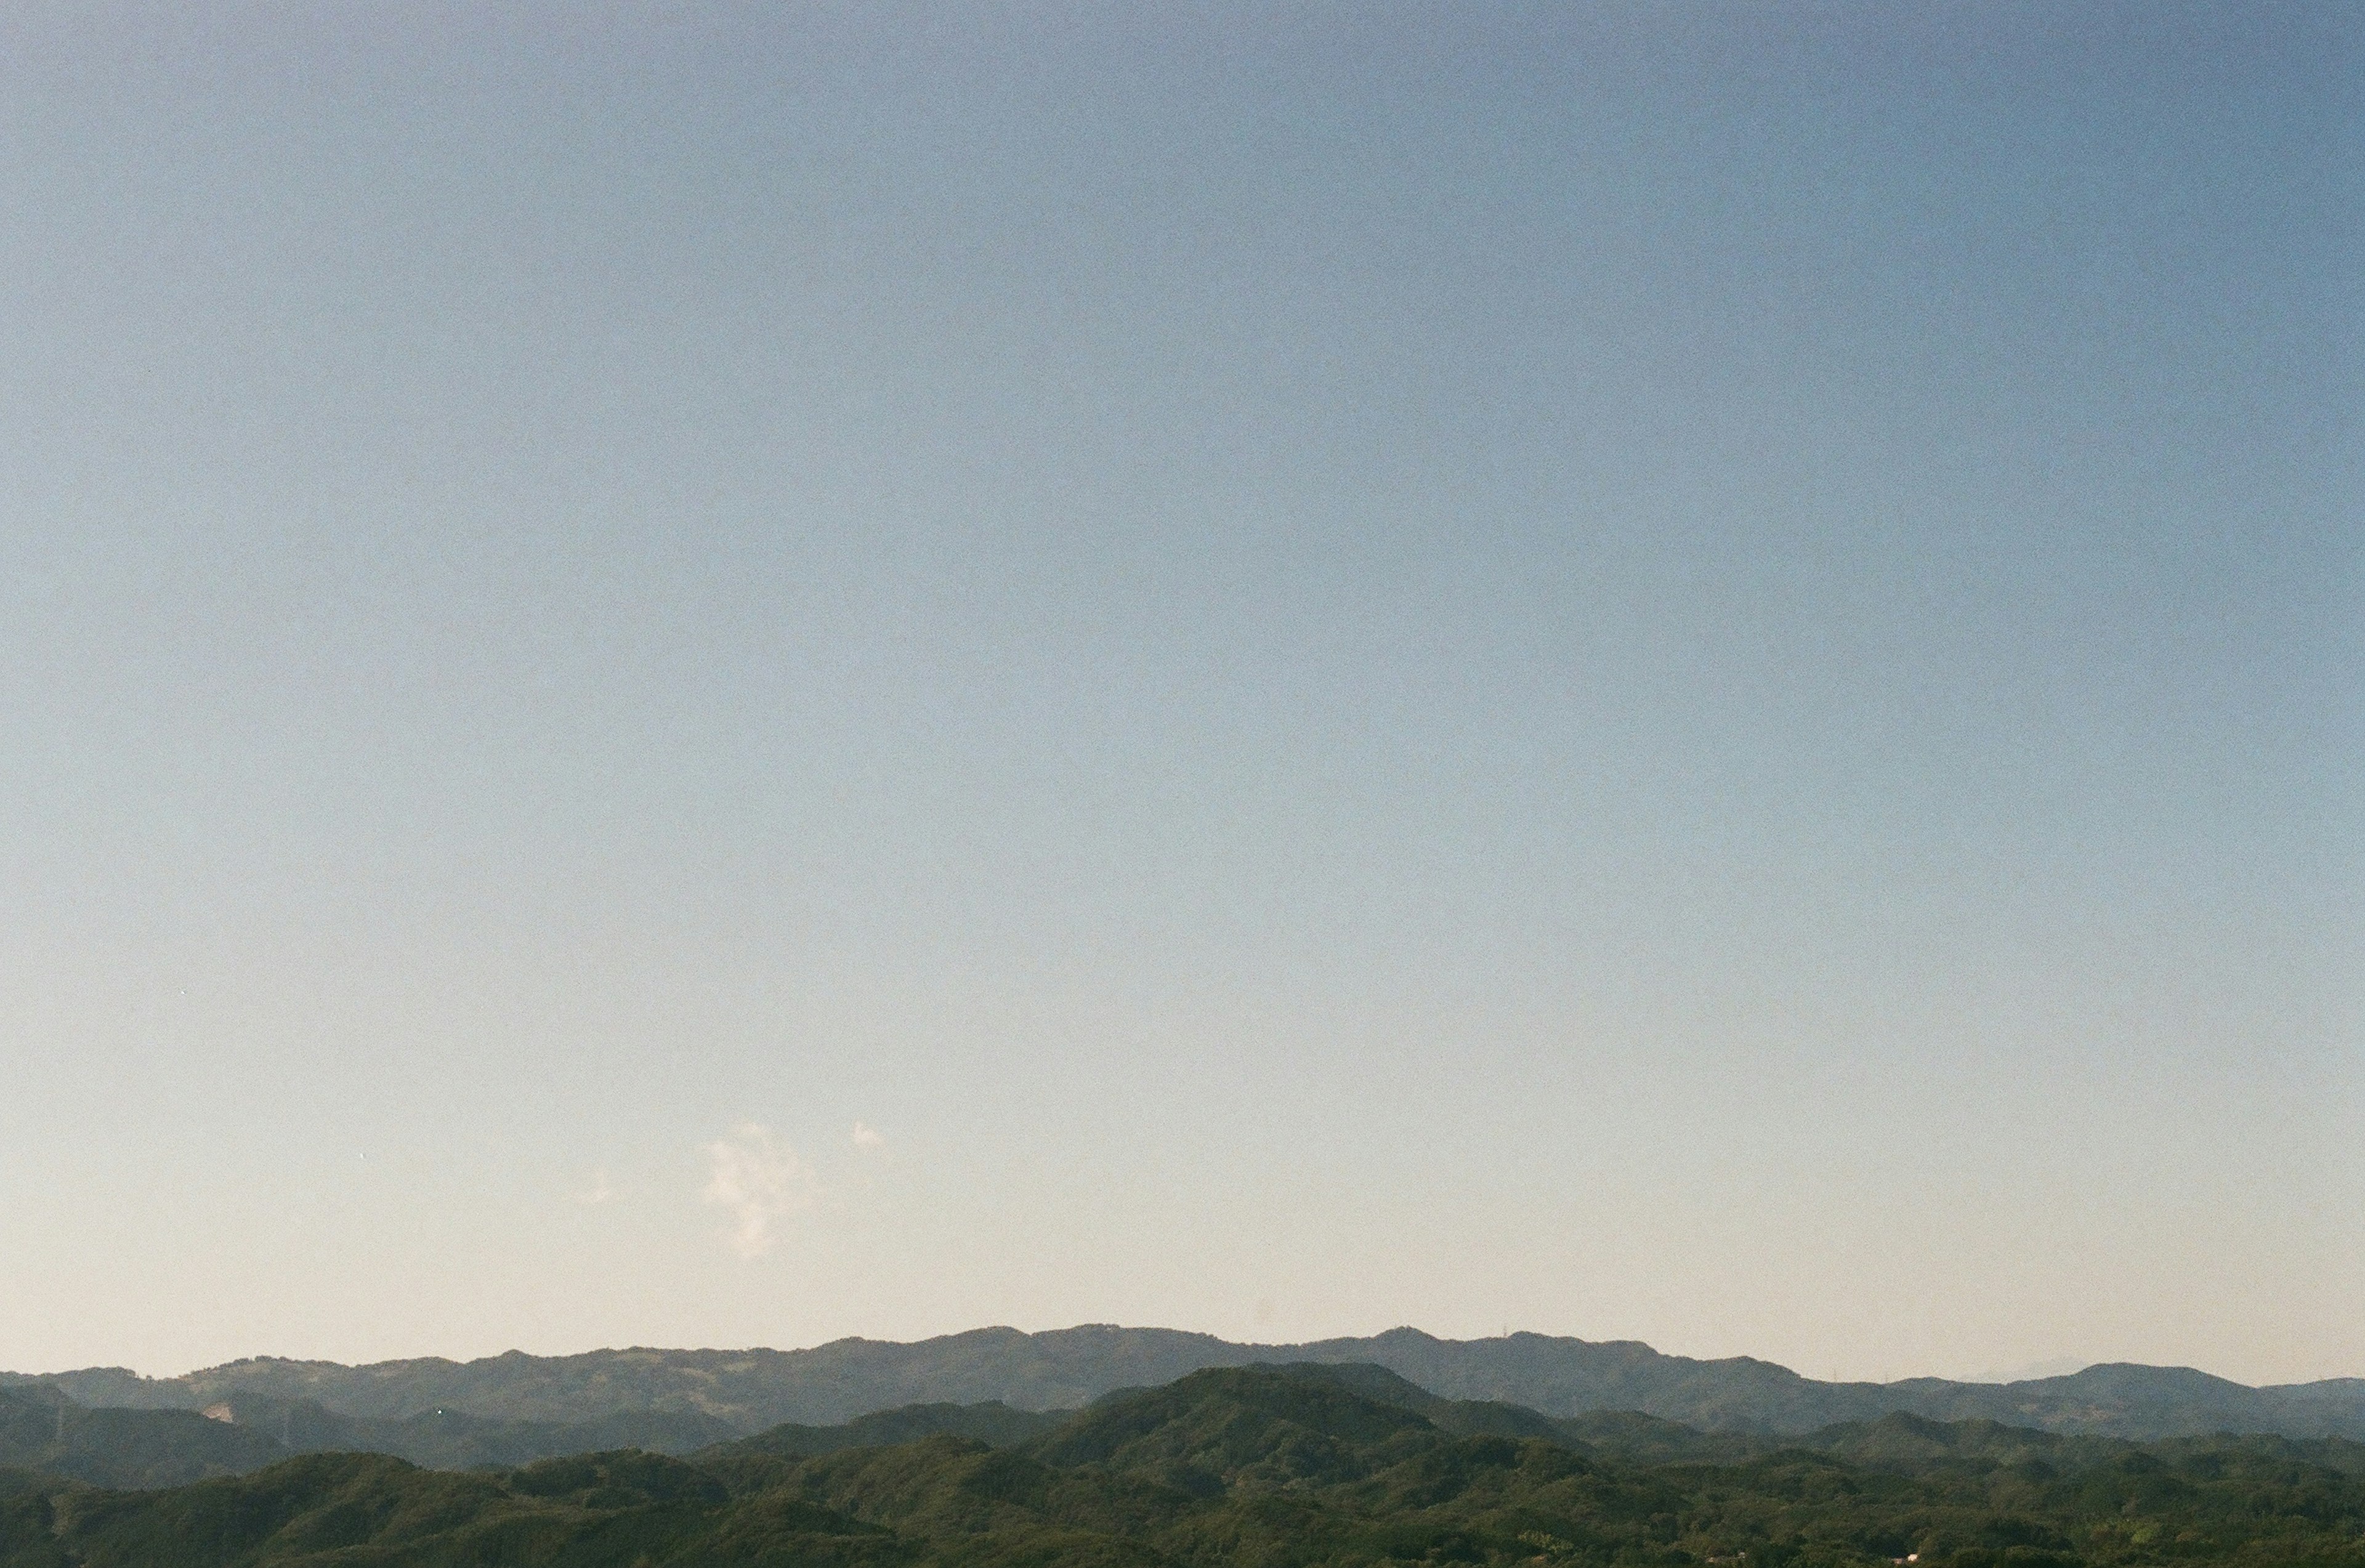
{"x": 868, "y": 1136}
{"x": 759, "y": 1179}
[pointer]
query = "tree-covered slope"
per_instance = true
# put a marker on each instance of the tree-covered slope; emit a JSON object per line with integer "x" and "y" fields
{"x": 1260, "y": 1468}
{"x": 994, "y": 1424}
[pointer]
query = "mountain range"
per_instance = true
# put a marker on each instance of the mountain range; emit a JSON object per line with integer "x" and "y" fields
{"x": 1307, "y": 1465}
{"x": 514, "y": 1406}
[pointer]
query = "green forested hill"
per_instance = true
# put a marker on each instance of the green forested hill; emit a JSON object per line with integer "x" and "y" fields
{"x": 1259, "y": 1467}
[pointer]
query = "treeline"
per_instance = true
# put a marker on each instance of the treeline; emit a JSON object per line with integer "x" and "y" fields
{"x": 1257, "y": 1467}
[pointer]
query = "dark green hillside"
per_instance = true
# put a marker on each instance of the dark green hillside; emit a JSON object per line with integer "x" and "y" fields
{"x": 994, "y": 1424}
{"x": 1631, "y": 1436}
{"x": 1255, "y": 1468}
{"x": 1229, "y": 1426}
{"x": 1464, "y": 1418}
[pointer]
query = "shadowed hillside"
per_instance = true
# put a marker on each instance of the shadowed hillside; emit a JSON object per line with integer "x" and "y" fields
{"x": 41, "y": 1430}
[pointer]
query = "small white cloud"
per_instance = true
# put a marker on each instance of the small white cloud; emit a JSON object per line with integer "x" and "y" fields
{"x": 868, "y": 1136}
{"x": 759, "y": 1179}
{"x": 599, "y": 1191}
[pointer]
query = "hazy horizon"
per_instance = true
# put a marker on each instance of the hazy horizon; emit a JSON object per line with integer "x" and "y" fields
{"x": 737, "y": 676}
{"x": 2048, "y": 1367}
{"x": 2052, "y": 1367}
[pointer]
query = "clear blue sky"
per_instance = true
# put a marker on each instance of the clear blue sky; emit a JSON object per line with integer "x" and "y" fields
{"x": 1687, "y": 672}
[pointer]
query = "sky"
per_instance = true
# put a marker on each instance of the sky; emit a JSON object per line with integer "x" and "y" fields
{"x": 725, "y": 674}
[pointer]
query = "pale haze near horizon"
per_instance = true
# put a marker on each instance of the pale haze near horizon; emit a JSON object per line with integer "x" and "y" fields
{"x": 726, "y": 676}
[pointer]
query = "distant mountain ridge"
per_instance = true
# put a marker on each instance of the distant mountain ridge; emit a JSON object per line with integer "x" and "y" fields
{"x": 42, "y": 1430}
{"x": 748, "y": 1391}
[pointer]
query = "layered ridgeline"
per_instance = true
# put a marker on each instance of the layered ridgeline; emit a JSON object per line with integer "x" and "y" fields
{"x": 41, "y": 1428}
{"x": 746, "y": 1390}
{"x": 1266, "y": 1466}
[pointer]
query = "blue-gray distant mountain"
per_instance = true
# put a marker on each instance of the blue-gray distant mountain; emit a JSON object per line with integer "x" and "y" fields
{"x": 41, "y": 1428}
{"x": 748, "y": 1391}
